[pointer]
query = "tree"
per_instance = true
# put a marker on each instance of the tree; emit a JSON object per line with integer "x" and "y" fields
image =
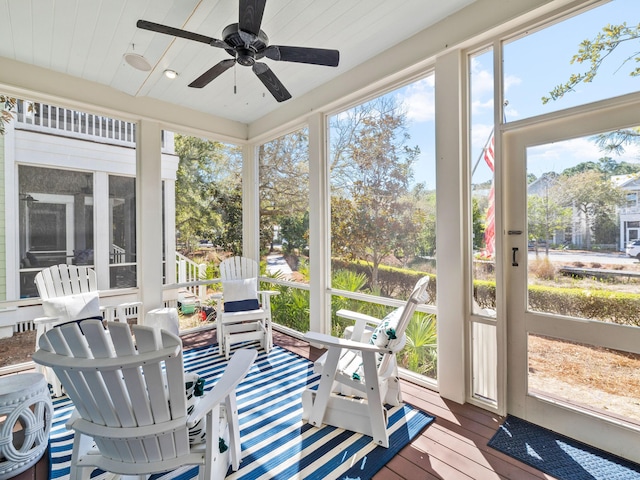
{"x": 595, "y": 52}
{"x": 426, "y": 222}
{"x": 208, "y": 195}
{"x": 371, "y": 173}
{"x": 7, "y": 106}
{"x": 295, "y": 230}
{"x": 478, "y": 224}
{"x": 284, "y": 185}
{"x": 605, "y": 165}
{"x": 545, "y": 216}
{"x": 593, "y": 196}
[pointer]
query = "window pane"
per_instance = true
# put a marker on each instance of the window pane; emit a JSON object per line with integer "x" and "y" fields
{"x": 482, "y": 226}
{"x": 208, "y": 219}
{"x": 56, "y": 221}
{"x": 284, "y": 224}
{"x": 122, "y": 244}
{"x": 208, "y": 196}
{"x": 583, "y": 252}
{"x": 599, "y": 379}
{"x": 383, "y": 220}
{"x": 538, "y": 62}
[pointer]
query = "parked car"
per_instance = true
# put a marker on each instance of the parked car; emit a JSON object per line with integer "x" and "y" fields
{"x": 633, "y": 249}
{"x": 206, "y": 244}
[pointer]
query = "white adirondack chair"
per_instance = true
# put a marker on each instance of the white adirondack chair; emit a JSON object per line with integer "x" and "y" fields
{"x": 359, "y": 374}
{"x": 243, "y": 313}
{"x": 70, "y": 292}
{"x": 128, "y": 390}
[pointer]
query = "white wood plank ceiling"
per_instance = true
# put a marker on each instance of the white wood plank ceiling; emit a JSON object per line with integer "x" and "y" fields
{"x": 88, "y": 38}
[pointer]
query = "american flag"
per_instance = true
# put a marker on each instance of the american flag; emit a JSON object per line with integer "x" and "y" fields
{"x": 490, "y": 220}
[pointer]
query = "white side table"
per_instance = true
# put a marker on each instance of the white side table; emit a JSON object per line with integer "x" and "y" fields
{"x": 163, "y": 318}
{"x": 25, "y": 421}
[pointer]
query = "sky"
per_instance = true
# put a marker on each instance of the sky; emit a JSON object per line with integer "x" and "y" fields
{"x": 533, "y": 65}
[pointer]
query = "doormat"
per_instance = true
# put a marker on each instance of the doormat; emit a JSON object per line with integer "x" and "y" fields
{"x": 559, "y": 456}
{"x": 276, "y": 443}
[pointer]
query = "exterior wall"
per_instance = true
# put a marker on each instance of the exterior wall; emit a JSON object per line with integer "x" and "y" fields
{"x": 53, "y": 147}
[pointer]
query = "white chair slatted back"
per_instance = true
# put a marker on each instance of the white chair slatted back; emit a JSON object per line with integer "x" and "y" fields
{"x": 237, "y": 268}
{"x": 61, "y": 280}
{"x": 418, "y": 295}
{"x": 116, "y": 383}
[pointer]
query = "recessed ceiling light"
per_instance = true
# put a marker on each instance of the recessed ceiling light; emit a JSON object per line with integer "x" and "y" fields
{"x": 170, "y": 73}
{"x": 137, "y": 61}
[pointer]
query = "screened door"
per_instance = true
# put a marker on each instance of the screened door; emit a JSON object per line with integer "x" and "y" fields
{"x": 573, "y": 308}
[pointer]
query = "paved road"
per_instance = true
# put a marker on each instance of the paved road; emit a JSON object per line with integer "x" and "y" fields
{"x": 569, "y": 256}
{"x": 277, "y": 263}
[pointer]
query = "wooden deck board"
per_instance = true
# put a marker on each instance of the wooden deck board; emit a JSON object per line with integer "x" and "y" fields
{"x": 454, "y": 447}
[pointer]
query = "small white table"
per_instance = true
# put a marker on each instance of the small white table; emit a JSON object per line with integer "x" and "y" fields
{"x": 25, "y": 421}
{"x": 163, "y": 318}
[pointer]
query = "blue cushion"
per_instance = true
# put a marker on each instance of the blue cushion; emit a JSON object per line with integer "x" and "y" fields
{"x": 241, "y": 305}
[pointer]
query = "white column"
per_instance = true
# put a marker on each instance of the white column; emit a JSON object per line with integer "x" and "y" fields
{"x": 319, "y": 226}
{"x": 149, "y": 198}
{"x": 250, "y": 203}
{"x": 170, "y": 229}
{"x": 11, "y": 216}
{"x": 103, "y": 232}
{"x": 452, "y": 285}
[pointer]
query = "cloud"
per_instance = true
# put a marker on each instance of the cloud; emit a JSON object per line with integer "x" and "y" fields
{"x": 419, "y": 100}
{"x": 561, "y": 155}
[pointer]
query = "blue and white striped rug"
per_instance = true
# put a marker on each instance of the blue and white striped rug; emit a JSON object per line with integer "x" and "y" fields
{"x": 276, "y": 444}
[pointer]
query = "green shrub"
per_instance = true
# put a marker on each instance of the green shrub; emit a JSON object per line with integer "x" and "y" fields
{"x": 393, "y": 282}
{"x": 617, "y": 307}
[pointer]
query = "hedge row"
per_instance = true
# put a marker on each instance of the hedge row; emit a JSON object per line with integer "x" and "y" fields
{"x": 617, "y": 307}
{"x": 607, "y": 306}
{"x": 393, "y": 282}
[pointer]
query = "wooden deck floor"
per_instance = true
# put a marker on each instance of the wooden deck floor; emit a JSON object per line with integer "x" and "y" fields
{"x": 454, "y": 447}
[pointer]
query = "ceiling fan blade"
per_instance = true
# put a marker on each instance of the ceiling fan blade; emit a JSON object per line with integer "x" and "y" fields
{"x": 176, "y": 32}
{"x": 315, "y": 56}
{"x": 212, "y": 73}
{"x": 269, "y": 79}
{"x": 251, "y": 12}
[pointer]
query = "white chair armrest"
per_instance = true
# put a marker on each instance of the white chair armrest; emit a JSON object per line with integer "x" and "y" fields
{"x": 329, "y": 341}
{"x": 234, "y": 373}
{"x": 357, "y": 316}
{"x": 362, "y": 320}
{"x": 45, "y": 320}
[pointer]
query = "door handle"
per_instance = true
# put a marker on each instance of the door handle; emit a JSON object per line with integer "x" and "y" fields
{"x": 514, "y": 262}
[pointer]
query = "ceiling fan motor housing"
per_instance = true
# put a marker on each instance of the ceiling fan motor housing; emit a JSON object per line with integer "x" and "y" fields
{"x": 244, "y": 45}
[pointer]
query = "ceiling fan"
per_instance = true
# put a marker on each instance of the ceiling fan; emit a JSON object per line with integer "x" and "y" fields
{"x": 247, "y": 44}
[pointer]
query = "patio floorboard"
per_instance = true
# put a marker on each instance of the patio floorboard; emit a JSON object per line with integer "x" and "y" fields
{"x": 454, "y": 447}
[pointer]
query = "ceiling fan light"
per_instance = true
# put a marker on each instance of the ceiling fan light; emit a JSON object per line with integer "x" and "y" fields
{"x": 137, "y": 61}
{"x": 171, "y": 74}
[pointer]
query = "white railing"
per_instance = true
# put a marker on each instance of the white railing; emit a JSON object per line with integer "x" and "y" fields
{"x": 190, "y": 271}
{"x": 628, "y": 210}
{"x": 118, "y": 254}
{"x": 72, "y": 123}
